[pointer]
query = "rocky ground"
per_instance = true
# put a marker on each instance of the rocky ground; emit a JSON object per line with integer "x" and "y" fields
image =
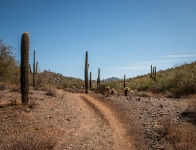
{"x": 146, "y": 118}
{"x": 64, "y": 120}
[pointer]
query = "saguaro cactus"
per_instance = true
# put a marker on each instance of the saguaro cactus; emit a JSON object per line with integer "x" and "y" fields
{"x": 153, "y": 73}
{"x": 124, "y": 84}
{"x": 98, "y": 79}
{"x": 34, "y": 73}
{"x": 86, "y": 73}
{"x": 90, "y": 81}
{"x": 24, "y": 68}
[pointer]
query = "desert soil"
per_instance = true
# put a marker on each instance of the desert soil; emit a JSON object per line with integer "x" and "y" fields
{"x": 87, "y": 121}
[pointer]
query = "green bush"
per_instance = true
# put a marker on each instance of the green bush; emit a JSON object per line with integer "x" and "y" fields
{"x": 9, "y": 68}
{"x": 180, "y": 80}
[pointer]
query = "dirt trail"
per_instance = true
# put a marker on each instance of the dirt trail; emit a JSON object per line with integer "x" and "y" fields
{"x": 75, "y": 121}
{"x": 121, "y": 140}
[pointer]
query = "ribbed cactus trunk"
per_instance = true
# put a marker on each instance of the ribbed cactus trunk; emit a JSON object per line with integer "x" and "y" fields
{"x": 90, "y": 81}
{"x": 155, "y": 74}
{"x": 86, "y": 73}
{"x": 24, "y": 68}
{"x": 34, "y": 73}
{"x": 98, "y": 79}
{"x": 124, "y": 84}
{"x": 151, "y": 72}
{"x": 125, "y": 91}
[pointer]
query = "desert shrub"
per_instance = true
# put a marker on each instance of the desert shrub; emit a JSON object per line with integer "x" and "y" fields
{"x": 101, "y": 88}
{"x": 190, "y": 112}
{"x": 71, "y": 82}
{"x": 184, "y": 81}
{"x": 9, "y": 69}
{"x": 114, "y": 84}
{"x": 51, "y": 92}
{"x": 178, "y": 136}
{"x": 182, "y": 137}
{"x": 180, "y": 81}
{"x": 31, "y": 141}
{"x": 32, "y": 104}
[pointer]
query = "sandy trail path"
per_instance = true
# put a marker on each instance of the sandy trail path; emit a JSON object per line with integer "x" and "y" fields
{"x": 76, "y": 121}
{"x": 121, "y": 140}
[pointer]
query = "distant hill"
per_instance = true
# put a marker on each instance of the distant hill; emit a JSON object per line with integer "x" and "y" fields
{"x": 111, "y": 79}
{"x": 49, "y": 77}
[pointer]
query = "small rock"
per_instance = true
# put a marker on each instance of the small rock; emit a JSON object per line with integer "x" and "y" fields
{"x": 160, "y": 129}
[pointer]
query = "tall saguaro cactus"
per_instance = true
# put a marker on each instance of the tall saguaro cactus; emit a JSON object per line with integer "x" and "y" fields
{"x": 86, "y": 72}
{"x": 90, "y": 81}
{"x": 24, "y": 68}
{"x": 124, "y": 84}
{"x": 34, "y": 73}
{"x": 98, "y": 79}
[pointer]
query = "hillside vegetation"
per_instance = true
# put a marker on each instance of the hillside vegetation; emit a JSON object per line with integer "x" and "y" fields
{"x": 178, "y": 81}
{"x": 10, "y": 72}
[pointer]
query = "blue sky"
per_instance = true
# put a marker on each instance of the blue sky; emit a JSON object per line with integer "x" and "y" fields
{"x": 121, "y": 36}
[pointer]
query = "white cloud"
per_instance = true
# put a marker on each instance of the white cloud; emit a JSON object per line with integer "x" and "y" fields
{"x": 180, "y": 56}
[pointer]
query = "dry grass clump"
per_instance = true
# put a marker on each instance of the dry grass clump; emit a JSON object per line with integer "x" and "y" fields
{"x": 190, "y": 112}
{"x": 182, "y": 137}
{"x": 31, "y": 141}
{"x": 179, "y": 136}
{"x": 32, "y": 104}
{"x": 51, "y": 93}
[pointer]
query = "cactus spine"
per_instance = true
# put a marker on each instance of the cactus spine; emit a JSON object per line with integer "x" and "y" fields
{"x": 34, "y": 73}
{"x": 24, "y": 68}
{"x": 98, "y": 79}
{"x": 86, "y": 73}
{"x": 90, "y": 81}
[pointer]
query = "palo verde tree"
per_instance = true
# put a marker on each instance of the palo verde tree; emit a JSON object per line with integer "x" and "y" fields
{"x": 24, "y": 68}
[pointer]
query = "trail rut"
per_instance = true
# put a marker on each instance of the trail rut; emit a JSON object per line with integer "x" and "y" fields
{"x": 121, "y": 140}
